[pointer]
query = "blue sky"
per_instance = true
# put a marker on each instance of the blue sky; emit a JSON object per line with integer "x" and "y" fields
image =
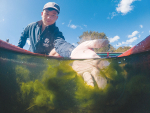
{"x": 125, "y": 22}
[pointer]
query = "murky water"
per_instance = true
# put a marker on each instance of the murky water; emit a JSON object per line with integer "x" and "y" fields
{"x": 34, "y": 84}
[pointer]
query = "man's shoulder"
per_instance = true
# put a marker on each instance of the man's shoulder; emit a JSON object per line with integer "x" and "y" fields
{"x": 32, "y": 24}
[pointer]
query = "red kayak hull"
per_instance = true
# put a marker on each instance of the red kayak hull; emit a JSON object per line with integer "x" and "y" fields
{"x": 140, "y": 47}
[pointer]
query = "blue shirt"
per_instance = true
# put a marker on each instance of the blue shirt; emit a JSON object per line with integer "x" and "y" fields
{"x": 44, "y": 42}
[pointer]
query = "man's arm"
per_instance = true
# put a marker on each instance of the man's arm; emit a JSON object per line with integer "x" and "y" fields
{"x": 62, "y": 47}
{"x": 82, "y": 51}
{"x": 23, "y": 37}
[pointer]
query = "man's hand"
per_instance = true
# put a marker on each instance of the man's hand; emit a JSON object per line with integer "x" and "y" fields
{"x": 84, "y": 50}
{"x": 90, "y": 69}
{"x": 54, "y": 53}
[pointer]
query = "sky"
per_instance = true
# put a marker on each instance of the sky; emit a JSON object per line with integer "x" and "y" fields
{"x": 125, "y": 22}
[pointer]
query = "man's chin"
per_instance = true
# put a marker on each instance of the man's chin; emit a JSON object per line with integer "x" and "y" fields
{"x": 48, "y": 23}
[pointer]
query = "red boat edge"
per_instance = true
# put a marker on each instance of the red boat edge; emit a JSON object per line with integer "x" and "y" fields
{"x": 140, "y": 47}
{"x": 11, "y": 47}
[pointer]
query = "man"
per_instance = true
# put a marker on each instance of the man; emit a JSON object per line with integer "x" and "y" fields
{"x": 45, "y": 37}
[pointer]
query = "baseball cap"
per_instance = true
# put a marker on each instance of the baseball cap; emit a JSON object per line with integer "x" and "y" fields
{"x": 52, "y": 5}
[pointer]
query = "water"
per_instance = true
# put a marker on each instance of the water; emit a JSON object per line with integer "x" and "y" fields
{"x": 34, "y": 84}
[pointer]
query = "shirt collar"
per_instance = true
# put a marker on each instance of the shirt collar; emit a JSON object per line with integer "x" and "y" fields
{"x": 49, "y": 27}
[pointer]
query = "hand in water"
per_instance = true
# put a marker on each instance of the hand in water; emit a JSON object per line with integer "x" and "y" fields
{"x": 89, "y": 69}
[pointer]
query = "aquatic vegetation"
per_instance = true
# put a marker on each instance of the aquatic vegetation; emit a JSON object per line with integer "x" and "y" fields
{"x": 60, "y": 87}
{"x": 22, "y": 74}
{"x": 42, "y": 85}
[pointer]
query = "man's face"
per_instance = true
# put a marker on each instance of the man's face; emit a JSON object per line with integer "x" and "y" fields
{"x": 49, "y": 17}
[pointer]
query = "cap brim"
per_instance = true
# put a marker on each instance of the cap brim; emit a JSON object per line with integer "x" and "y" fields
{"x": 50, "y": 9}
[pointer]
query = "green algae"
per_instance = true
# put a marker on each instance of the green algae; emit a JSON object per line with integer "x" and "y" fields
{"x": 44, "y": 85}
{"x": 60, "y": 87}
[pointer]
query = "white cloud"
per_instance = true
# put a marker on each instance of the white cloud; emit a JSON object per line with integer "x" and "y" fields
{"x": 139, "y": 36}
{"x": 28, "y": 41}
{"x": 127, "y": 42}
{"x": 125, "y": 6}
{"x": 142, "y": 31}
{"x": 63, "y": 23}
{"x": 85, "y": 26}
{"x": 113, "y": 14}
{"x": 133, "y": 34}
{"x": 116, "y": 38}
{"x": 69, "y": 23}
{"x": 141, "y": 26}
{"x": 73, "y": 26}
{"x": 149, "y": 31}
{"x": 131, "y": 45}
{"x": 131, "y": 40}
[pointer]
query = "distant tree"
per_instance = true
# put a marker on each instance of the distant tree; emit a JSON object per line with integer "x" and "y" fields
{"x": 123, "y": 49}
{"x": 111, "y": 49}
{"x": 91, "y": 36}
{"x": 96, "y": 35}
